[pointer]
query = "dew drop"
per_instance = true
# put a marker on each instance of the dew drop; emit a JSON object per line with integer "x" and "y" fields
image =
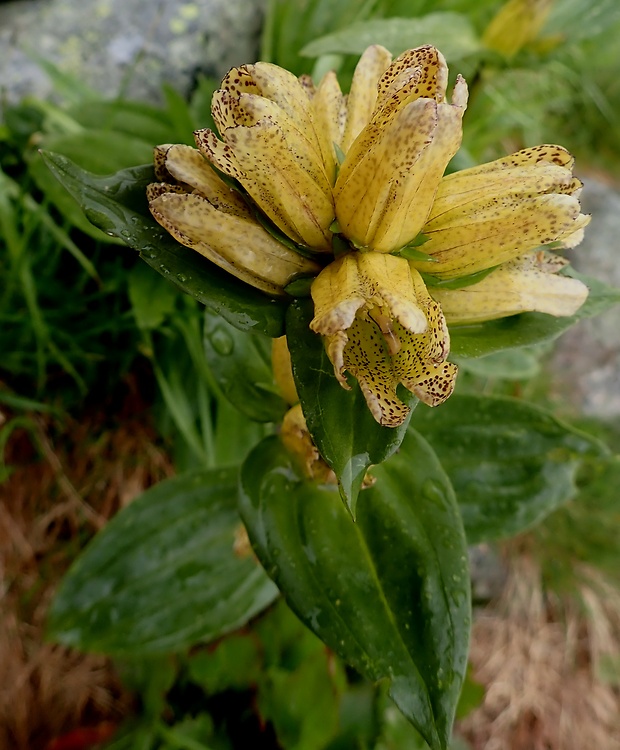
{"x": 182, "y": 278}
{"x": 164, "y": 269}
{"x": 433, "y": 491}
{"x": 221, "y": 342}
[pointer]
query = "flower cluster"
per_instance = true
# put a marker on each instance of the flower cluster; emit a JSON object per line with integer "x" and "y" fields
{"x": 352, "y": 190}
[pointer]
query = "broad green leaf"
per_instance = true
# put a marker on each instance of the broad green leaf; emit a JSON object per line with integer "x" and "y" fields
{"x": 509, "y": 364}
{"x": 390, "y": 592}
{"x": 511, "y": 463}
{"x": 100, "y": 151}
{"x": 303, "y": 704}
{"x": 235, "y": 663}
{"x": 117, "y": 205}
{"x": 150, "y": 124}
{"x": 576, "y": 20}
{"x": 152, "y": 299}
{"x": 240, "y": 361}
{"x": 341, "y": 425}
{"x": 452, "y": 33}
{"x": 56, "y": 194}
{"x": 529, "y": 328}
{"x": 162, "y": 575}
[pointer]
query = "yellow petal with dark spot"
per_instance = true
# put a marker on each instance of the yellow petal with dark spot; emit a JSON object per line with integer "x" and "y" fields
{"x": 236, "y": 244}
{"x": 366, "y": 357}
{"x": 188, "y": 166}
{"x": 329, "y": 109}
{"x": 382, "y": 326}
{"x": 497, "y": 229}
{"x": 527, "y": 284}
{"x": 385, "y": 191}
{"x": 363, "y": 94}
{"x": 269, "y": 170}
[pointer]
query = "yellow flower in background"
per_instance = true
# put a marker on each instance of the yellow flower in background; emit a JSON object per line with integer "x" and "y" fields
{"x": 354, "y": 181}
{"x": 517, "y": 23}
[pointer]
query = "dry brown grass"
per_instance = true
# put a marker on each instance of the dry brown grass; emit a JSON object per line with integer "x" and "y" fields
{"x": 69, "y": 479}
{"x": 540, "y": 659}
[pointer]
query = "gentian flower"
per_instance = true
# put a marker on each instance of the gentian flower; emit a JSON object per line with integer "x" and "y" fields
{"x": 353, "y": 191}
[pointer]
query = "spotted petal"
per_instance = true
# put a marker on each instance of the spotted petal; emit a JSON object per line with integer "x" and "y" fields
{"x": 490, "y": 214}
{"x": 238, "y": 244}
{"x": 527, "y": 284}
{"x": 260, "y": 157}
{"x": 362, "y": 97}
{"x": 381, "y": 325}
{"x": 271, "y": 145}
{"x": 387, "y": 183}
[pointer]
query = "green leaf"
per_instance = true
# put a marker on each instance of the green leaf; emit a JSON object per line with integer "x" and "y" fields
{"x": 458, "y": 283}
{"x": 303, "y": 704}
{"x": 529, "y": 328}
{"x": 509, "y": 364}
{"x": 150, "y": 124}
{"x": 452, "y": 33}
{"x": 152, "y": 299}
{"x": 117, "y": 205}
{"x": 389, "y": 593}
{"x": 100, "y": 151}
{"x": 511, "y": 463}
{"x": 290, "y": 25}
{"x": 576, "y": 20}
{"x": 234, "y": 663}
{"x": 56, "y": 194}
{"x": 241, "y": 364}
{"x": 341, "y": 425}
{"x": 162, "y": 575}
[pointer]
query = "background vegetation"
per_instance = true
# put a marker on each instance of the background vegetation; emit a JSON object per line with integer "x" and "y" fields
{"x": 106, "y": 389}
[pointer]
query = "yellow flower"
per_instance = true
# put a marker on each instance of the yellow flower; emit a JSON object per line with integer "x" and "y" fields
{"x": 381, "y": 325}
{"x": 387, "y": 182}
{"x": 517, "y": 23}
{"x": 490, "y": 214}
{"x": 271, "y": 145}
{"x": 359, "y": 180}
{"x": 201, "y": 212}
{"x": 528, "y": 283}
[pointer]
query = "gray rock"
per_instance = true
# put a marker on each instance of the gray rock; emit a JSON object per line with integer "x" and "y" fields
{"x": 124, "y": 46}
{"x": 587, "y": 358}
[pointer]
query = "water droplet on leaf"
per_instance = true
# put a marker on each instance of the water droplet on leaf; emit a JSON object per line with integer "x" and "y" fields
{"x": 433, "y": 491}
{"x": 221, "y": 342}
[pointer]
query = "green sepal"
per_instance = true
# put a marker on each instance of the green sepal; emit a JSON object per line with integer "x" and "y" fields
{"x": 163, "y": 574}
{"x": 300, "y": 287}
{"x": 411, "y": 252}
{"x": 342, "y": 427}
{"x": 117, "y": 204}
{"x": 389, "y": 593}
{"x": 458, "y": 283}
